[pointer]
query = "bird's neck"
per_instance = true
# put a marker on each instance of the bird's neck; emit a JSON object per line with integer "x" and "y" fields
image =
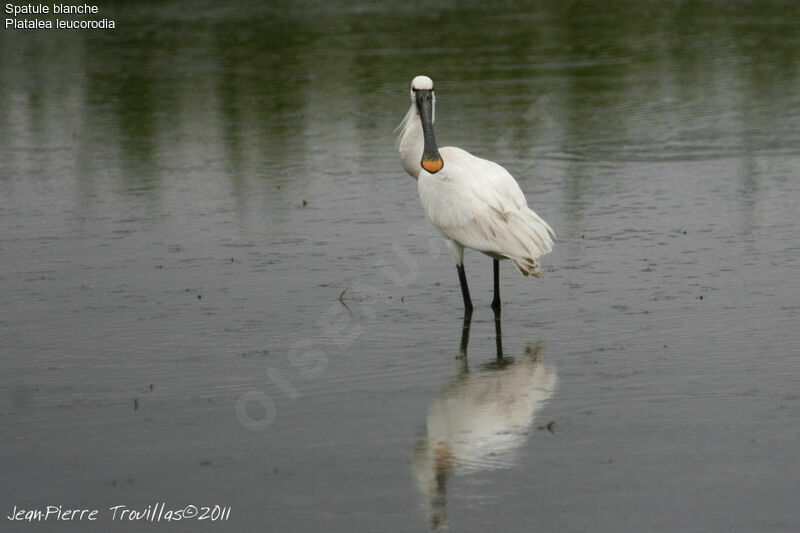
{"x": 411, "y": 142}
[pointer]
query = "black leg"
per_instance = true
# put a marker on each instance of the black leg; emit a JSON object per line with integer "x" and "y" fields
{"x": 462, "y": 349}
{"x": 498, "y": 334}
{"x": 462, "y": 277}
{"x": 496, "y": 301}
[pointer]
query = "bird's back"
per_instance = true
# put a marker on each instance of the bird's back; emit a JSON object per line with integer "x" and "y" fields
{"x": 478, "y": 204}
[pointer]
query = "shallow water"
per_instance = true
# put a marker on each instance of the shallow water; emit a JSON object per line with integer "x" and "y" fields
{"x": 219, "y": 286}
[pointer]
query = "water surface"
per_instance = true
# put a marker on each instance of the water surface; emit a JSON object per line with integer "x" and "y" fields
{"x": 218, "y": 285}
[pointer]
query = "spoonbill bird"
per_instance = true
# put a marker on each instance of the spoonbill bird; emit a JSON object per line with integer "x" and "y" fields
{"x": 474, "y": 203}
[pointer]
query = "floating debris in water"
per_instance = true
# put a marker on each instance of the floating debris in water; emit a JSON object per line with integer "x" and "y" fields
{"x": 549, "y": 426}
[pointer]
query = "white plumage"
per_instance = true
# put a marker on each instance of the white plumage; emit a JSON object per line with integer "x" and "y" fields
{"x": 477, "y": 204}
{"x": 473, "y": 202}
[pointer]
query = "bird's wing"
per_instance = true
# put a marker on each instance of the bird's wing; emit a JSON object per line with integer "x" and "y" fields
{"x": 480, "y": 205}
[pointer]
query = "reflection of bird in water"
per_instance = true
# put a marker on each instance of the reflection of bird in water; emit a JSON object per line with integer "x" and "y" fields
{"x": 480, "y": 419}
{"x": 473, "y": 202}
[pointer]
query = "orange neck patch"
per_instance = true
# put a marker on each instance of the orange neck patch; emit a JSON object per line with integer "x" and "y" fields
{"x": 432, "y": 165}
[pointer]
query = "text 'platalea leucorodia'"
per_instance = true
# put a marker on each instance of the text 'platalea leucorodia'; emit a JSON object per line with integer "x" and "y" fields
{"x": 474, "y": 203}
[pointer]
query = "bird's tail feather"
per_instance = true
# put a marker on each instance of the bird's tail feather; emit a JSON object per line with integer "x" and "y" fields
{"x": 535, "y": 239}
{"x": 528, "y": 266}
{"x": 540, "y": 232}
{"x": 538, "y": 240}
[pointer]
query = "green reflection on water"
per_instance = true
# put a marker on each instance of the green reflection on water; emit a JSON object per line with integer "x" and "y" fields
{"x": 258, "y": 90}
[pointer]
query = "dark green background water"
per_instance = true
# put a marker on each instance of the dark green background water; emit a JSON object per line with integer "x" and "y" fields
{"x": 184, "y": 199}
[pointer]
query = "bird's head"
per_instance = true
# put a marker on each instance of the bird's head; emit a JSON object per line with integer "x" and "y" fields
{"x": 423, "y": 97}
{"x": 422, "y": 91}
